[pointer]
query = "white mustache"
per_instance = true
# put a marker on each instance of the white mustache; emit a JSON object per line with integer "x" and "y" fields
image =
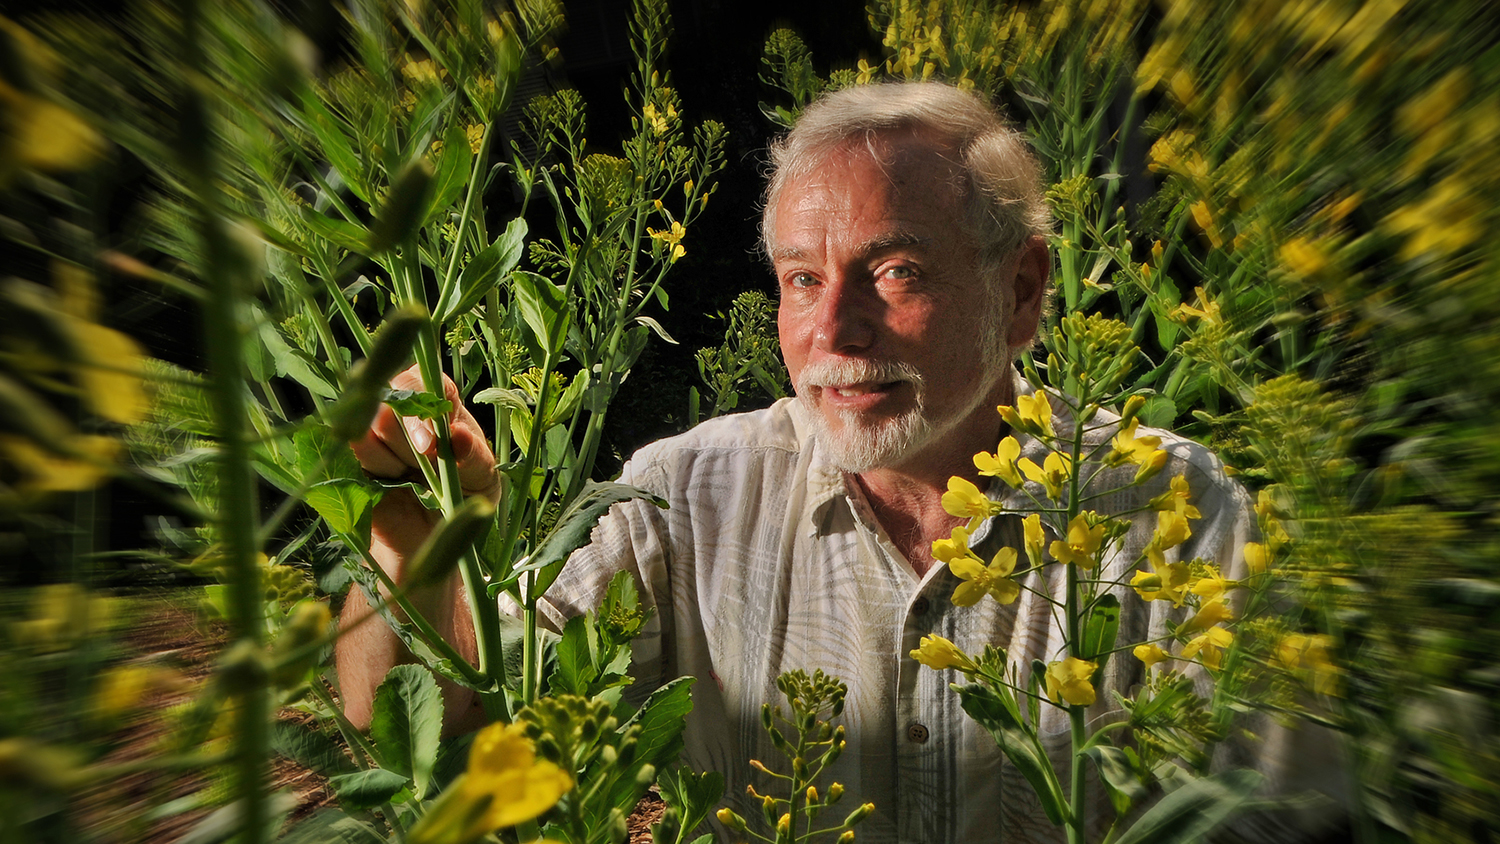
{"x": 843, "y": 373}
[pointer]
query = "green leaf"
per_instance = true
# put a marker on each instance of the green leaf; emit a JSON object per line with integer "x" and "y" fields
{"x": 662, "y": 719}
{"x": 332, "y": 826}
{"x": 342, "y": 503}
{"x": 325, "y": 127}
{"x": 1194, "y": 810}
{"x": 309, "y": 747}
{"x": 364, "y": 789}
{"x": 574, "y": 527}
{"x": 1020, "y": 745}
{"x": 348, "y": 236}
{"x": 1101, "y": 627}
{"x": 453, "y": 170}
{"x": 499, "y": 395}
{"x": 407, "y": 722}
{"x": 575, "y": 661}
{"x": 484, "y": 271}
{"x": 542, "y": 304}
{"x": 692, "y": 795}
{"x": 418, "y": 403}
{"x": 1119, "y": 776}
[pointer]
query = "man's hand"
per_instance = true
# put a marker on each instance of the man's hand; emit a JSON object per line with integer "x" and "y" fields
{"x": 399, "y": 527}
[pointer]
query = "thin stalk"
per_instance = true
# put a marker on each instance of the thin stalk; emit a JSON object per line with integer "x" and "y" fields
{"x": 590, "y": 446}
{"x": 238, "y": 515}
{"x": 1076, "y": 714}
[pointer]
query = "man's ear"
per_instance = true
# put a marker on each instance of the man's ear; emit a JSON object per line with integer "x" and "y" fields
{"x": 1028, "y": 291}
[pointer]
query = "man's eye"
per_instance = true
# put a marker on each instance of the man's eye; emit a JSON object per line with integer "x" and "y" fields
{"x": 898, "y": 272}
{"x": 801, "y": 280}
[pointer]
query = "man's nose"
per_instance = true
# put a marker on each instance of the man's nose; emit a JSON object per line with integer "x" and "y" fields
{"x": 844, "y": 321}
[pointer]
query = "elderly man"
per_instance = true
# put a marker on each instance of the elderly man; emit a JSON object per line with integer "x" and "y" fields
{"x": 905, "y": 225}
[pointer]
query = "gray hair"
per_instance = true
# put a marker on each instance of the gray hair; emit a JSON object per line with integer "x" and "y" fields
{"x": 1005, "y": 204}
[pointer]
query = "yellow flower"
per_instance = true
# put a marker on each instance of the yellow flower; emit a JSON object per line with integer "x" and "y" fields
{"x": 948, "y": 550}
{"x": 1171, "y": 530}
{"x": 1036, "y": 412}
{"x": 1175, "y": 499}
{"x": 1256, "y": 557}
{"x": 1210, "y": 645}
{"x": 1212, "y": 585}
{"x": 505, "y": 784}
{"x": 1052, "y": 474}
{"x": 1212, "y": 612}
{"x": 964, "y": 499}
{"x": 1068, "y": 680}
{"x": 1151, "y": 654}
{"x": 1150, "y": 467}
{"x": 1299, "y": 652}
{"x": 1209, "y": 312}
{"x": 122, "y": 689}
{"x": 980, "y": 579}
{"x": 43, "y": 471}
{"x": 1128, "y": 448}
{"x": 1303, "y": 256}
{"x": 939, "y": 653}
{"x": 1082, "y": 544}
{"x": 1001, "y": 464}
{"x": 671, "y": 237}
{"x": 1032, "y": 528}
{"x": 655, "y": 119}
{"x": 866, "y": 73}
{"x": 1166, "y": 582}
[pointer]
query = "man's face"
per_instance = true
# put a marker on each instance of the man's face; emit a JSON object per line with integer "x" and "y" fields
{"x": 890, "y": 336}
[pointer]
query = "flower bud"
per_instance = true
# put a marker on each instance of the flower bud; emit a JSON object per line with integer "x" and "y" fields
{"x": 784, "y": 825}
{"x": 1152, "y": 466}
{"x": 1133, "y": 406}
{"x": 859, "y": 814}
{"x": 812, "y": 794}
{"x": 847, "y": 837}
{"x": 728, "y": 818}
{"x": 835, "y": 791}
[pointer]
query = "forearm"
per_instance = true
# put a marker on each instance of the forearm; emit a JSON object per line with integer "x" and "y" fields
{"x": 368, "y": 648}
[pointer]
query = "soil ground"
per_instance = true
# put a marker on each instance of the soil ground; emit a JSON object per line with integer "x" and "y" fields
{"x": 170, "y": 633}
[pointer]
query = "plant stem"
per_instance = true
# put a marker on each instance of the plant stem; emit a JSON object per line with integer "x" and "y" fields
{"x": 239, "y": 513}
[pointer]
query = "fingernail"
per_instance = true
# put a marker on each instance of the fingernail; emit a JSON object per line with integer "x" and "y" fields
{"x": 420, "y": 433}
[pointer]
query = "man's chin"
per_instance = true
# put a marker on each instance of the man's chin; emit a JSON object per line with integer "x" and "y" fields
{"x": 857, "y": 445}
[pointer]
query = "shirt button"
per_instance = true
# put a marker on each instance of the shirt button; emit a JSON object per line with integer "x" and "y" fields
{"x": 920, "y": 606}
{"x": 916, "y": 733}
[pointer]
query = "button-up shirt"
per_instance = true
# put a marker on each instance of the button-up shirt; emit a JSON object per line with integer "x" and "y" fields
{"x": 769, "y": 559}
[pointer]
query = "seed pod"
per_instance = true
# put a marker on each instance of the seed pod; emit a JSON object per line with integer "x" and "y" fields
{"x": 307, "y": 624}
{"x": 242, "y": 668}
{"x": 404, "y": 208}
{"x": 368, "y": 378}
{"x": 438, "y": 556}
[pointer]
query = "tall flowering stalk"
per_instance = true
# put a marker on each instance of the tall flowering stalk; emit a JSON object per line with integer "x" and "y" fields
{"x": 1092, "y": 454}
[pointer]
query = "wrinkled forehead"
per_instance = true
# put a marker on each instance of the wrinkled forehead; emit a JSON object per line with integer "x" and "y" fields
{"x": 901, "y": 168}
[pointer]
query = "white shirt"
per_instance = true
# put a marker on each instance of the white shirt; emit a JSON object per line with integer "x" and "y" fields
{"x": 769, "y": 560}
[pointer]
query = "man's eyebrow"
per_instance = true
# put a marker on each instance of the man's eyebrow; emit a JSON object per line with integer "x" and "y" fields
{"x": 880, "y": 243}
{"x": 894, "y": 240}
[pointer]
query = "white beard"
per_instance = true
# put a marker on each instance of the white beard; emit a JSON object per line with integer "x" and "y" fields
{"x": 861, "y": 445}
